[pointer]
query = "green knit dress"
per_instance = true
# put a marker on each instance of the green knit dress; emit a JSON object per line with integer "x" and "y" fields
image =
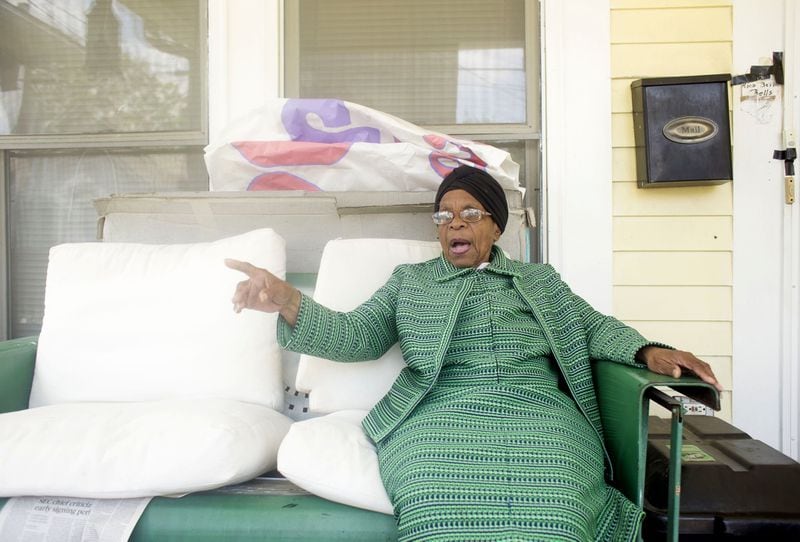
{"x": 496, "y": 450}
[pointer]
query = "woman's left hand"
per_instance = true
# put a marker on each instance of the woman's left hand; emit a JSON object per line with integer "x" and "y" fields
{"x": 673, "y": 362}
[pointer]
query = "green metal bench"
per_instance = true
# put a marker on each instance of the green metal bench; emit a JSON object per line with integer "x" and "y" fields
{"x": 274, "y": 509}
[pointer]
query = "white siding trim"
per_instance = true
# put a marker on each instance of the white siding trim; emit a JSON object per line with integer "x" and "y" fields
{"x": 577, "y": 145}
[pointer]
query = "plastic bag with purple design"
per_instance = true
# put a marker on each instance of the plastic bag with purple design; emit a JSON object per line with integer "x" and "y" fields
{"x": 305, "y": 144}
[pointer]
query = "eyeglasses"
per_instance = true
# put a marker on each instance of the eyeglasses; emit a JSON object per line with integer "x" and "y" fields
{"x": 469, "y": 214}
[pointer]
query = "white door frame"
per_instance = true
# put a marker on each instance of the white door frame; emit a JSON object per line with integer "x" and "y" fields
{"x": 766, "y": 236}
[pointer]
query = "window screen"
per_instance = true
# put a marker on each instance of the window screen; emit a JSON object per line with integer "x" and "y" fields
{"x": 96, "y": 97}
{"x": 50, "y": 202}
{"x": 431, "y": 63}
{"x": 465, "y": 67}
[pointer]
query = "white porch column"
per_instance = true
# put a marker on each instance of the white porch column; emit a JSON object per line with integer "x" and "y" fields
{"x": 577, "y": 138}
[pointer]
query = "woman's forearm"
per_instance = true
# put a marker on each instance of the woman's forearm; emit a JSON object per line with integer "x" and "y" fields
{"x": 291, "y": 309}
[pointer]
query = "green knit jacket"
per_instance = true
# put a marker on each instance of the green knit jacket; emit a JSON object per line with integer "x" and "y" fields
{"x": 418, "y": 307}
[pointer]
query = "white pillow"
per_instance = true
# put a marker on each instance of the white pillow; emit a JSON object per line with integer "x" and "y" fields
{"x": 121, "y": 450}
{"x": 133, "y": 322}
{"x": 350, "y": 271}
{"x": 333, "y": 458}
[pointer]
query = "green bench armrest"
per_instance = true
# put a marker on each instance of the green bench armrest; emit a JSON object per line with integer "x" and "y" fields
{"x": 624, "y": 408}
{"x": 17, "y": 358}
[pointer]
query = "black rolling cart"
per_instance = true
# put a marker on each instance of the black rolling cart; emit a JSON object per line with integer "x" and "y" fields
{"x": 733, "y": 488}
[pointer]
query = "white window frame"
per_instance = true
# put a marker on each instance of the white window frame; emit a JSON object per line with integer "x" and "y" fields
{"x": 576, "y": 119}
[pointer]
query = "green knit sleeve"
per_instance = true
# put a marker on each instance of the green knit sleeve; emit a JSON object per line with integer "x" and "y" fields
{"x": 608, "y": 338}
{"x": 365, "y": 333}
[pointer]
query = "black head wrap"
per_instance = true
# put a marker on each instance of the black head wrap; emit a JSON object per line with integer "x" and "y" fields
{"x": 482, "y": 186}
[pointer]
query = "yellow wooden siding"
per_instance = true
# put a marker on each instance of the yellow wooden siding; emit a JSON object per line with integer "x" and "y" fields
{"x": 621, "y": 101}
{"x": 639, "y": 60}
{"x": 672, "y": 246}
{"x": 726, "y": 410}
{"x": 677, "y": 25}
{"x": 673, "y": 268}
{"x": 705, "y": 303}
{"x": 673, "y": 232}
{"x": 702, "y": 338}
{"x": 658, "y": 4}
{"x": 622, "y": 130}
{"x": 686, "y": 201}
{"x": 623, "y": 164}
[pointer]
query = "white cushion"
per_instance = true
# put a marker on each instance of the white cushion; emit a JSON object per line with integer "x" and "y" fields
{"x": 333, "y": 458}
{"x": 133, "y": 322}
{"x": 121, "y": 450}
{"x": 350, "y": 271}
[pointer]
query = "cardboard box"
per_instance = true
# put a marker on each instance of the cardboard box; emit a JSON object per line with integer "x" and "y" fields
{"x": 306, "y": 220}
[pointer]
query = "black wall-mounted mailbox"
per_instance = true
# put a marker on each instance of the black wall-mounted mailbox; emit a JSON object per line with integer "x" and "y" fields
{"x": 682, "y": 131}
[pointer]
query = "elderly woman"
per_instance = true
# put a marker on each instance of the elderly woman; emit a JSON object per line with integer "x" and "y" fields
{"x": 492, "y": 432}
